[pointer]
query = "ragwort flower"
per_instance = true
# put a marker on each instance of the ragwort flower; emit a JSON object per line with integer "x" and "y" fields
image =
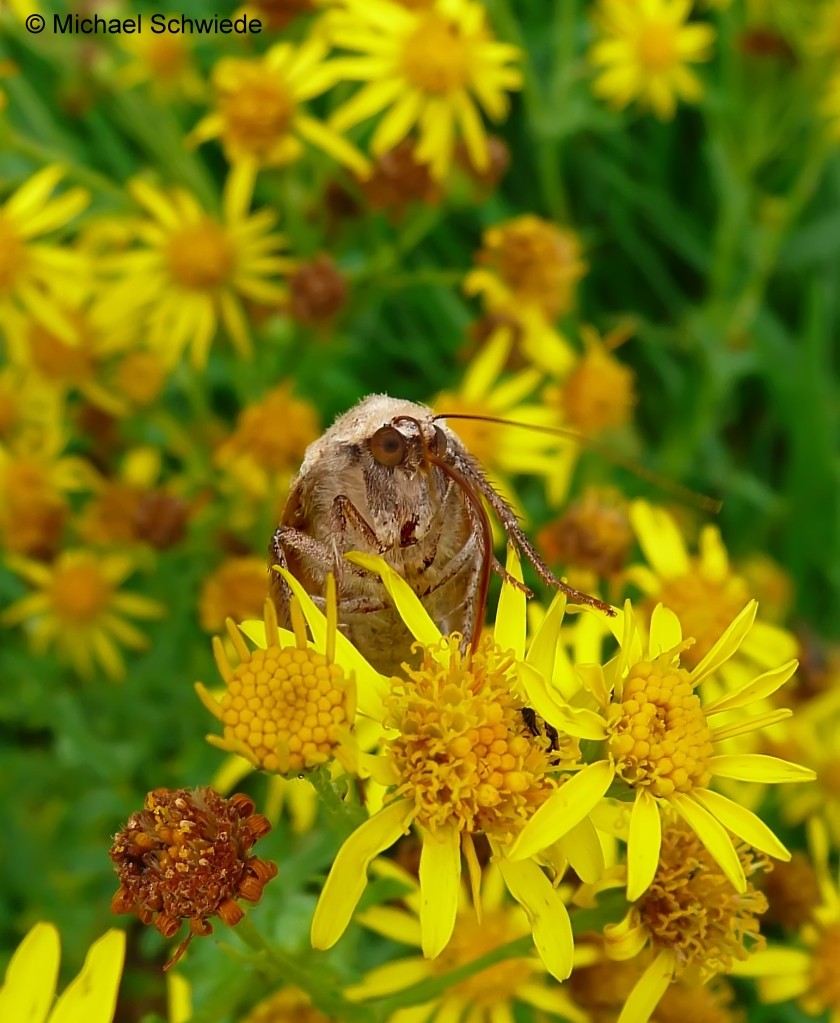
{"x": 432, "y": 67}
{"x": 691, "y": 917}
{"x": 28, "y": 991}
{"x": 458, "y": 760}
{"x": 658, "y": 742}
{"x": 259, "y": 114}
{"x": 80, "y": 610}
{"x": 187, "y": 856}
{"x": 643, "y": 51}
{"x": 194, "y": 269}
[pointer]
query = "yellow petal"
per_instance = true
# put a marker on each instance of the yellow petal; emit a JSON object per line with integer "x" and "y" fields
{"x": 660, "y": 540}
{"x": 563, "y": 809}
{"x": 649, "y": 989}
{"x": 440, "y": 883}
{"x": 713, "y": 835}
{"x": 543, "y": 650}
{"x": 549, "y": 918}
{"x": 727, "y": 645}
{"x": 759, "y": 768}
{"x": 510, "y": 627}
{"x": 389, "y": 978}
{"x": 742, "y": 822}
{"x": 644, "y": 844}
{"x": 393, "y": 923}
{"x": 178, "y": 998}
{"x": 665, "y": 630}
{"x": 582, "y": 848}
{"x": 31, "y": 976}
{"x": 348, "y": 876}
{"x": 756, "y": 689}
{"x": 578, "y": 721}
{"x": 626, "y": 939}
{"x": 92, "y": 996}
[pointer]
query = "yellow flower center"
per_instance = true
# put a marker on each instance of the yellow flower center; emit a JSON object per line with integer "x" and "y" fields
{"x": 12, "y": 255}
{"x": 201, "y": 256}
{"x": 659, "y": 736}
{"x": 692, "y": 908}
{"x": 537, "y": 260}
{"x": 236, "y": 590}
{"x": 258, "y": 110}
{"x": 79, "y": 593}
{"x": 825, "y": 977}
{"x": 166, "y": 54}
{"x": 828, "y": 777}
{"x": 32, "y": 510}
{"x": 471, "y": 940}
{"x": 705, "y": 607}
{"x": 55, "y": 360}
{"x": 287, "y": 706}
{"x": 139, "y": 377}
{"x": 288, "y": 1005}
{"x": 599, "y": 393}
{"x": 463, "y": 754}
{"x": 698, "y": 1003}
{"x": 657, "y": 47}
{"x": 436, "y": 57}
{"x": 257, "y": 435}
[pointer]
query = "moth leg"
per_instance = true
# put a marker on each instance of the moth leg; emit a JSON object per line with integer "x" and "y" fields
{"x": 348, "y": 519}
{"x": 499, "y": 569}
{"x": 278, "y": 588}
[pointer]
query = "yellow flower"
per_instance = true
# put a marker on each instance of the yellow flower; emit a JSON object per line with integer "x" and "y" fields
{"x": 259, "y": 114}
{"x": 500, "y": 449}
{"x": 79, "y": 609}
{"x": 30, "y": 411}
{"x": 194, "y": 269}
{"x": 692, "y": 919}
{"x": 163, "y": 61}
{"x": 460, "y": 761}
{"x": 643, "y": 51}
{"x": 659, "y": 746}
{"x": 29, "y": 989}
{"x": 288, "y": 1005}
{"x": 32, "y": 273}
{"x": 830, "y": 105}
{"x": 814, "y": 736}
{"x": 807, "y": 974}
{"x": 489, "y": 994}
{"x": 288, "y": 706}
{"x": 431, "y": 68}
{"x": 702, "y": 591}
{"x": 529, "y": 263}
{"x": 236, "y": 589}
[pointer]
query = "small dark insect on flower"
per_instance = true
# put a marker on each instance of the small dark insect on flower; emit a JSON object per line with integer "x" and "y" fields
{"x": 186, "y": 856}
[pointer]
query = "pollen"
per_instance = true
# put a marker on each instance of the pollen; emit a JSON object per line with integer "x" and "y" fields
{"x": 659, "y": 736}
{"x": 12, "y": 255}
{"x": 692, "y": 908}
{"x": 705, "y": 607}
{"x": 436, "y": 57}
{"x": 284, "y": 708}
{"x": 187, "y": 856}
{"x": 201, "y": 256}
{"x": 463, "y": 754}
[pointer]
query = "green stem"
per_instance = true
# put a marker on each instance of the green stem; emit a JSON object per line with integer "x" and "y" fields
{"x": 348, "y": 815}
{"x": 84, "y": 175}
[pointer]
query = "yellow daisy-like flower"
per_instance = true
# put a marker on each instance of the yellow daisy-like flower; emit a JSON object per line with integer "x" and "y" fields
{"x": 194, "y": 269}
{"x": 500, "y": 449}
{"x": 489, "y": 994}
{"x": 28, "y": 991}
{"x": 659, "y": 746}
{"x": 643, "y": 51}
{"x": 288, "y": 1005}
{"x": 814, "y": 737}
{"x": 459, "y": 760}
{"x": 236, "y": 589}
{"x": 702, "y": 591}
{"x": 692, "y": 919}
{"x": 432, "y": 68}
{"x": 79, "y": 609}
{"x": 288, "y": 706}
{"x": 31, "y": 412}
{"x": 528, "y": 263}
{"x": 164, "y": 62}
{"x": 259, "y": 114}
{"x": 33, "y": 274}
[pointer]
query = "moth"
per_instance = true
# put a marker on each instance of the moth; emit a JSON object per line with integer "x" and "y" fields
{"x": 390, "y": 477}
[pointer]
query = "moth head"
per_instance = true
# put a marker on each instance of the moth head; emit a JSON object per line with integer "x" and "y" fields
{"x": 391, "y": 447}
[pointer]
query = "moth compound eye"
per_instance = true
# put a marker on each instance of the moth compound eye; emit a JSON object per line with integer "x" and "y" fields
{"x": 388, "y": 446}
{"x": 438, "y": 444}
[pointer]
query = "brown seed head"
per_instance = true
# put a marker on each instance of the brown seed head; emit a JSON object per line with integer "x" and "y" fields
{"x": 399, "y": 179}
{"x": 186, "y": 856}
{"x": 594, "y": 533}
{"x": 317, "y": 292}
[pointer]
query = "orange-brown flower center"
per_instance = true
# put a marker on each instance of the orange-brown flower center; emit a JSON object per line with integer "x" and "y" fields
{"x": 12, "y": 255}
{"x": 657, "y": 47}
{"x": 599, "y": 393}
{"x": 288, "y": 1005}
{"x": 436, "y": 56}
{"x": 79, "y": 592}
{"x": 594, "y": 533}
{"x": 257, "y": 108}
{"x": 201, "y": 256}
{"x": 659, "y": 736}
{"x": 56, "y": 360}
{"x": 139, "y": 377}
{"x": 257, "y": 434}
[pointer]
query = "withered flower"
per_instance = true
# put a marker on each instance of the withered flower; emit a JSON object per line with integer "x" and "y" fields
{"x": 186, "y": 856}
{"x": 399, "y": 179}
{"x": 317, "y": 292}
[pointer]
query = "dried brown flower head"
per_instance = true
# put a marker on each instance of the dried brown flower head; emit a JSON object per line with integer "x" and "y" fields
{"x": 399, "y": 179}
{"x": 593, "y": 533}
{"x": 317, "y": 292}
{"x": 186, "y": 856}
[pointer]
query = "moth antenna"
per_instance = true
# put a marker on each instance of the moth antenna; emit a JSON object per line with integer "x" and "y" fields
{"x": 480, "y": 511}
{"x": 677, "y": 490}
{"x": 473, "y": 472}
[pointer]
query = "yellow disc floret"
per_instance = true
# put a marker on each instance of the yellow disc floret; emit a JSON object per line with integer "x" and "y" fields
{"x": 659, "y": 734}
{"x": 463, "y": 754}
